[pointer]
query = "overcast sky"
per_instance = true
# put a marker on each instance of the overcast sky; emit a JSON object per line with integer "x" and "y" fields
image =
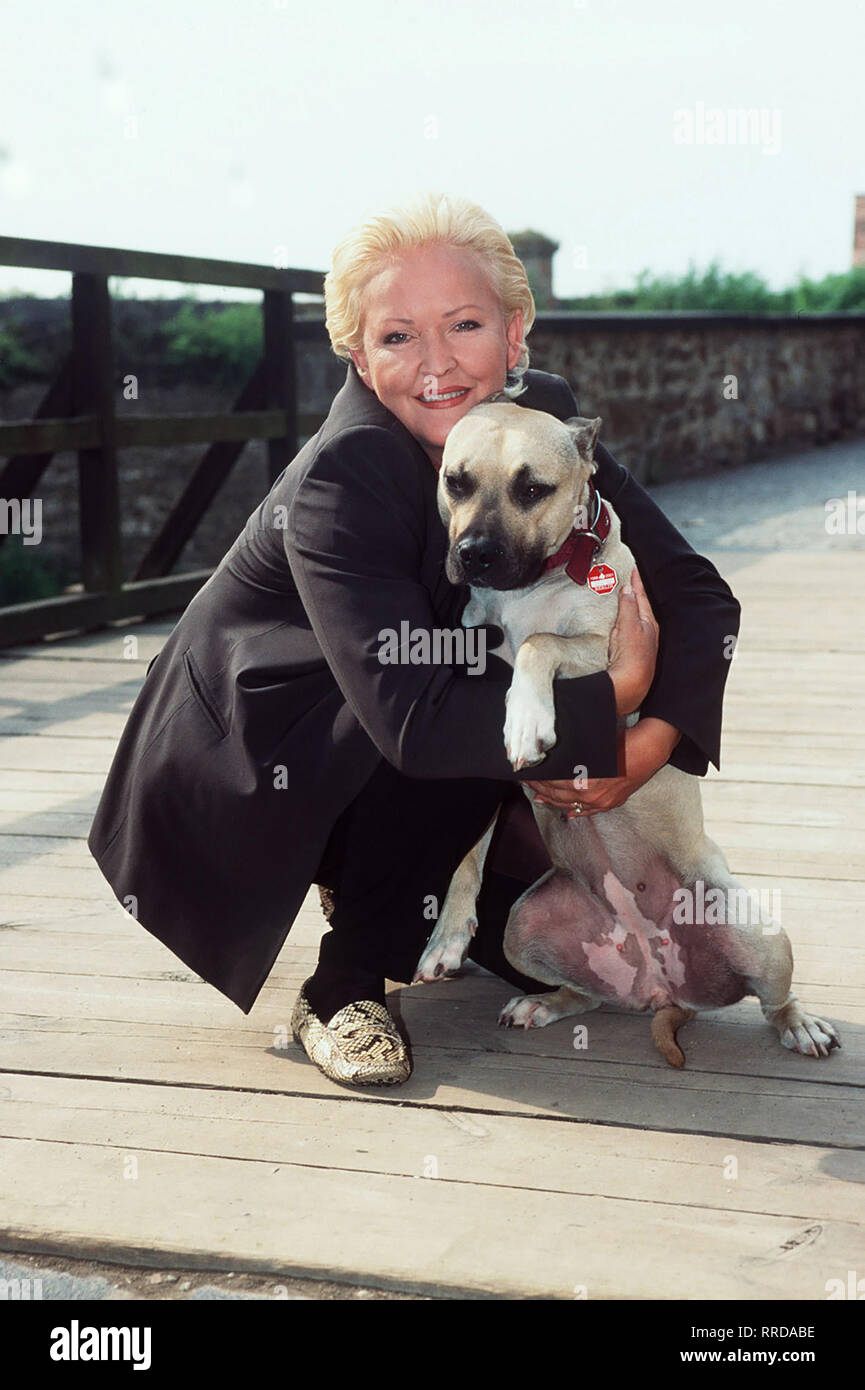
{"x": 261, "y": 130}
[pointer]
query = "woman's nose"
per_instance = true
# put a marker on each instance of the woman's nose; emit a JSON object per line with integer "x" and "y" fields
{"x": 437, "y": 356}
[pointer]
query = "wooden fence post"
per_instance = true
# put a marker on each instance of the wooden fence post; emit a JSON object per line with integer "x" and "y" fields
{"x": 280, "y": 386}
{"x": 93, "y": 394}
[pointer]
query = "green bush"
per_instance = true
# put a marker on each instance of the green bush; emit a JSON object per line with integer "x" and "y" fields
{"x": 833, "y": 294}
{"x": 17, "y": 362}
{"x": 24, "y": 575}
{"x": 745, "y": 292}
{"x": 225, "y": 343}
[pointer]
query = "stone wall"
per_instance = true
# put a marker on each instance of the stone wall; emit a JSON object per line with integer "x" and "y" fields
{"x": 662, "y": 384}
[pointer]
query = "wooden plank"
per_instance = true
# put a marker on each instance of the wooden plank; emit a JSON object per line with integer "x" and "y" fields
{"x": 59, "y": 813}
{"x": 637, "y": 1090}
{"x": 819, "y": 771}
{"x": 48, "y": 437}
{"x": 738, "y": 1079}
{"x": 43, "y": 436}
{"x": 110, "y": 672}
{"x": 37, "y": 699}
{"x": 835, "y": 954}
{"x": 238, "y": 426}
{"x": 53, "y": 851}
{"x": 54, "y": 754}
{"x": 86, "y": 645}
{"x": 155, "y": 265}
{"x": 824, "y": 766}
{"x": 49, "y": 779}
{"x": 754, "y": 659}
{"x": 49, "y": 823}
{"x": 490, "y": 1149}
{"x": 23, "y": 622}
{"x": 402, "y": 1231}
{"x": 79, "y": 726}
{"x": 780, "y": 804}
{"x": 111, "y": 952}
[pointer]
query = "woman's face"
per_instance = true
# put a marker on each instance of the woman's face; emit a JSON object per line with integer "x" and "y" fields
{"x": 434, "y": 340}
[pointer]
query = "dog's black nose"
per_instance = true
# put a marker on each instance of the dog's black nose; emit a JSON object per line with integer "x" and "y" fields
{"x": 478, "y": 555}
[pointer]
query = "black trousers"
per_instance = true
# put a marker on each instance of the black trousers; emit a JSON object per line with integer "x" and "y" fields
{"x": 389, "y": 860}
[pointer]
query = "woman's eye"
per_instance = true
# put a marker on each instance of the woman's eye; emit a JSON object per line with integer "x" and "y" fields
{"x": 467, "y": 323}
{"x": 392, "y": 337}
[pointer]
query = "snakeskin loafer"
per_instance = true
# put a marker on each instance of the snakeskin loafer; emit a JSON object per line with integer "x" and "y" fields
{"x": 360, "y": 1046}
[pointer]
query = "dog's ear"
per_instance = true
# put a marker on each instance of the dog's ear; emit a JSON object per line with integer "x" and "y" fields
{"x": 584, "y": 433}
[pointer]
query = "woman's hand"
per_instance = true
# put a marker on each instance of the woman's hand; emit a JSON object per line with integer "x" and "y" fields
{"x": 643, "y": 750}
{"x": 633, "y": 647}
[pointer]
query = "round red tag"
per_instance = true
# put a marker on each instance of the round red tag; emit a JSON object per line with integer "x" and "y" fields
{"x": 602, "y": 578}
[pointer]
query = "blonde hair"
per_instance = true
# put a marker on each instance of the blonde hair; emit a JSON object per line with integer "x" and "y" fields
{"x": 427, "y": 219}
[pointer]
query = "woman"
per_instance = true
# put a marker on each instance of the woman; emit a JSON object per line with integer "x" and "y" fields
{"x": 271, "y": 747}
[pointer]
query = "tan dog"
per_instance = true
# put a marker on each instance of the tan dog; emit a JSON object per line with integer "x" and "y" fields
{"x": 622, "y": 915}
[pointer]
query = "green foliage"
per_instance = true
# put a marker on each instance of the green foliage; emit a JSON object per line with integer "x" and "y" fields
{"x": 17, "y": 362}
{"x": 24, "y": 575}
{"x": 224, "y": 343}
{"x": 746, "y": 292}
{"x": 834, "y": 294}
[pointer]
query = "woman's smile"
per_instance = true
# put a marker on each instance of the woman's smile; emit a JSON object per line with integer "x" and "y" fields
{"x": 446, "y": 399}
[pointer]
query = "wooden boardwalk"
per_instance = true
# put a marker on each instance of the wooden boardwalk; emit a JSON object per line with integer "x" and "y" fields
{"x": 144, "y": 1119}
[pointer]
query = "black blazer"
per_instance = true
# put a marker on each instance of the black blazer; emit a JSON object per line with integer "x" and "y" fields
{"x": 267, "y": 709}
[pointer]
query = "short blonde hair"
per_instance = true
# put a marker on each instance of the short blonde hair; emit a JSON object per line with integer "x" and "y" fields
{"x": 428, "y": 219}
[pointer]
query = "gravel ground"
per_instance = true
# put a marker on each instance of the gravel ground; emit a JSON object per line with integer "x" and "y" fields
{"x": 97, "y": 1281}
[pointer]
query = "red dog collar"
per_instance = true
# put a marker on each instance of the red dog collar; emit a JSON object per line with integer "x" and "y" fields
{"x": 581, "y": 546}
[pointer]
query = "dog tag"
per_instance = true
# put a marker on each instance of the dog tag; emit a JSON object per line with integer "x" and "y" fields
{"x": 602, "y": 578}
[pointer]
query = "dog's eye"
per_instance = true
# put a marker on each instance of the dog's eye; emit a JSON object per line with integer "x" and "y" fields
{"x": 458, "y": 485}
{"x": 527, "y": 494}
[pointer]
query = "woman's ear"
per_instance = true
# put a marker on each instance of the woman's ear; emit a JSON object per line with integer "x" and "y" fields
{"x": 515, "y": 339}
{"x": 358, "y": 357}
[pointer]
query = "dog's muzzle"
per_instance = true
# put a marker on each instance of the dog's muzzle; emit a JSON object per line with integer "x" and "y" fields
{"x": 479, "y": 558}
{"x": 488, "y": 563}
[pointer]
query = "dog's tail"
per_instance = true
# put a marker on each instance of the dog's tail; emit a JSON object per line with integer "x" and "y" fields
{"x": 665, "y": 1024}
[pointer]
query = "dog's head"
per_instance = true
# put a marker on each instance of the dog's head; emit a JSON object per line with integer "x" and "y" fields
{"x": 510, "y": 483}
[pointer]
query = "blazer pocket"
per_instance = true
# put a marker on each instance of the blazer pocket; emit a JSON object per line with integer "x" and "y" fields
{"x": 202, "y": 694}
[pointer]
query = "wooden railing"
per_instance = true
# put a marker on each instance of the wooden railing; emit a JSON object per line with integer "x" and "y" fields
{"x": 77, "y": 412}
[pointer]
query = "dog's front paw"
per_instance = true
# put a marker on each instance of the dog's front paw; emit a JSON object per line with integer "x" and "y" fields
{"x": 530, "y": 725}
{"x": 444, "y": 953}
{"x": 811, "y": 1036}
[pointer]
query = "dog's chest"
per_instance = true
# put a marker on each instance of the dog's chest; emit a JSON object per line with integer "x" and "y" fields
{"x": 554, "y": 605}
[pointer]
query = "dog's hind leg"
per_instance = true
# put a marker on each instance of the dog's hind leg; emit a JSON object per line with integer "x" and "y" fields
{"x": 457, "y": 923}
{"x": 759, "y": 951}
{"x": 797, "y": 1030}
{"x": 544, "y": 938}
